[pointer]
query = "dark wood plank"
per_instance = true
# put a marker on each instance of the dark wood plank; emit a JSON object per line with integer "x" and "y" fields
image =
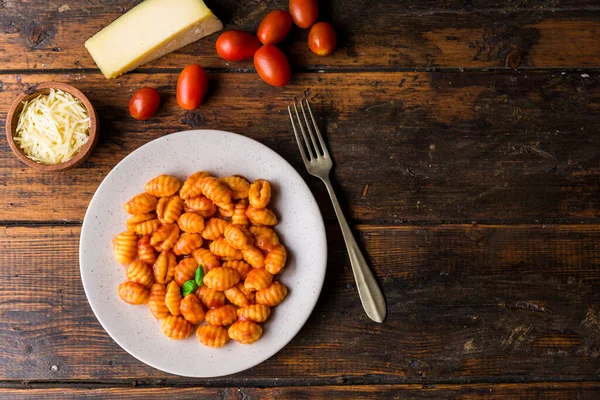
{"x": 466, "y": 303}
{"x": 559, "y": 390}
{"x": 407, "y": 146}
{"x": 393, "y": 34}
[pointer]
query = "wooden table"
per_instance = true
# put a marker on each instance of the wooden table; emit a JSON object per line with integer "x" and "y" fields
{"x": 466, "y": 141}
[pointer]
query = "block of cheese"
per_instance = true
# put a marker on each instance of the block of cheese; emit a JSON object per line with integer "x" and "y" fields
{"x": 148, "y": 31}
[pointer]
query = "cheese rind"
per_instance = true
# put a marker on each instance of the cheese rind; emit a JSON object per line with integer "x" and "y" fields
{"x": 148, "y": 31}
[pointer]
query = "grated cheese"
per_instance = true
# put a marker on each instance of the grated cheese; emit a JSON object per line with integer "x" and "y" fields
{"x": 52, "y": 128}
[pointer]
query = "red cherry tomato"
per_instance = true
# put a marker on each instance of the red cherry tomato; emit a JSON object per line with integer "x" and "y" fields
{"x": 237, "y": 45}
{"x": 272, "y": 65}
{"x": 304, "y": 12}
{"x": 144, "y": 103}
{"x": 274, "y": 27}
{"x": 192, "y": 86}
{"x": 321, "y": 39}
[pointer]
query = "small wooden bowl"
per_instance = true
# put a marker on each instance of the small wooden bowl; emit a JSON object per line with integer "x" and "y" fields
{"x": 12, "y": 119}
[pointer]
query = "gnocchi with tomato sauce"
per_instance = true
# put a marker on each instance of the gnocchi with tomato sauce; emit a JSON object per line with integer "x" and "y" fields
{"x": 203, "y": 254}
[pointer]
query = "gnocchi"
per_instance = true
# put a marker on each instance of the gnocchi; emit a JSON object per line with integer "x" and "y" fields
{"x": 223, "y": 249}
{"x": 176, "y": 327}
{"x": 210, "y": 298}
{"x": 239, "y": 186}
{"x": 259, "y": 194}
{"x": 164, "y": 267}
{"x": 133, "y": 293}
{"x": 245, "y": 332}
{"x": 226, "y": 209}
{"x": 248, "y": 293}
{"x": 206, "y": 258}
{"x": 156, "y": 302}
{"x": 241, "y": 267}
{"x": 191, "y": 222}
{"x": 214, "y": 229}
{"x": 191, "y": 309}
{"x": 239, "y": 213}
{"x": 264, "y": 238}
{"x": 203, "y": 253}
{"x": 261, "y": 216}
{"x": 254, "y": 312}
{"x": 187, "y": 243}
{"x": 139, "y": 272}
{"x": 190, "y": 187}
{"x": 173, "y": 298}
{"x": 236, "y": 297}
{"x": 254, "y": 257}
{"x": 201, "y": 206}
{"x": 168, "y": 209}
{"x": 143, "y": 224}
{"x": 275, "y": 259}
{"x": 222, "y": 316}
{"x": 125, "y": 247}
{"x": 163, "y": 186}
{"x": 221, "y": 279}
{"x": 215, "y": 190}
{"x": 185, "y": 270}
{"x": 212, "y": 335}
{"x": 238, "y": 236}
{"x": 141, "y": 204}
{"x": 271, "y": 296}
{"x": 258, "y": 279}
{"x": 165, "y": 237}
{"x": 146, "y": 252}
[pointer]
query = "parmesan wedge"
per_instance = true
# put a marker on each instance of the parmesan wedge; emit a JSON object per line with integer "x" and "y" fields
{"x": 148, "y": 31}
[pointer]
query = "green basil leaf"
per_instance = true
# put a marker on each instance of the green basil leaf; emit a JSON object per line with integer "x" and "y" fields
{"x": 188, "y": 287}
{"x": 200, "y": 275}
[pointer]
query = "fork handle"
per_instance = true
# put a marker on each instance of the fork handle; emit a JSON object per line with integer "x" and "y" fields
{"x": 368, "y": 290}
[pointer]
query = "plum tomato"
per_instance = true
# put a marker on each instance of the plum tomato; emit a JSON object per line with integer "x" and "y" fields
{"x": 304, "y": 12}
{"x": 274, "y": 27}
{"x": 272, "y": 65}
{"x": 237, "y": 45}
{"x": 192, "y": 86}
{"x": 321, "y": 39}
{"x": 144, "y": 103}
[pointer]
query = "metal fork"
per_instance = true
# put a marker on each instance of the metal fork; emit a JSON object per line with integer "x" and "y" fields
{"x": 318, "y": 163}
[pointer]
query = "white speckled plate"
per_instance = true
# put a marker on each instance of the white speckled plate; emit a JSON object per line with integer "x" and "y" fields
{"x": 222, "y": 153}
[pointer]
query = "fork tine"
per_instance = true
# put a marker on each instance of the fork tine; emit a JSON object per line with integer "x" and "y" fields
{"x": 311, "y": 155}
{"x": 302, "y": 151}
{"x": 310, "y": 132}
{"x": 321, "y": 141}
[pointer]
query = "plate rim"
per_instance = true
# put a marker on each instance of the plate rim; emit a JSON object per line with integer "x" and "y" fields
{"x": 312, "y": 301}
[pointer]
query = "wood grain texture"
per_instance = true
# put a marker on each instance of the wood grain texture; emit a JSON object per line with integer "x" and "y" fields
{"x": 466, "y": 303}
{"x": 389, "y": 34}
{"x": 456, "y": 146}
{"x": 491, "y": 311}
{"x": 558, "y": 390}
